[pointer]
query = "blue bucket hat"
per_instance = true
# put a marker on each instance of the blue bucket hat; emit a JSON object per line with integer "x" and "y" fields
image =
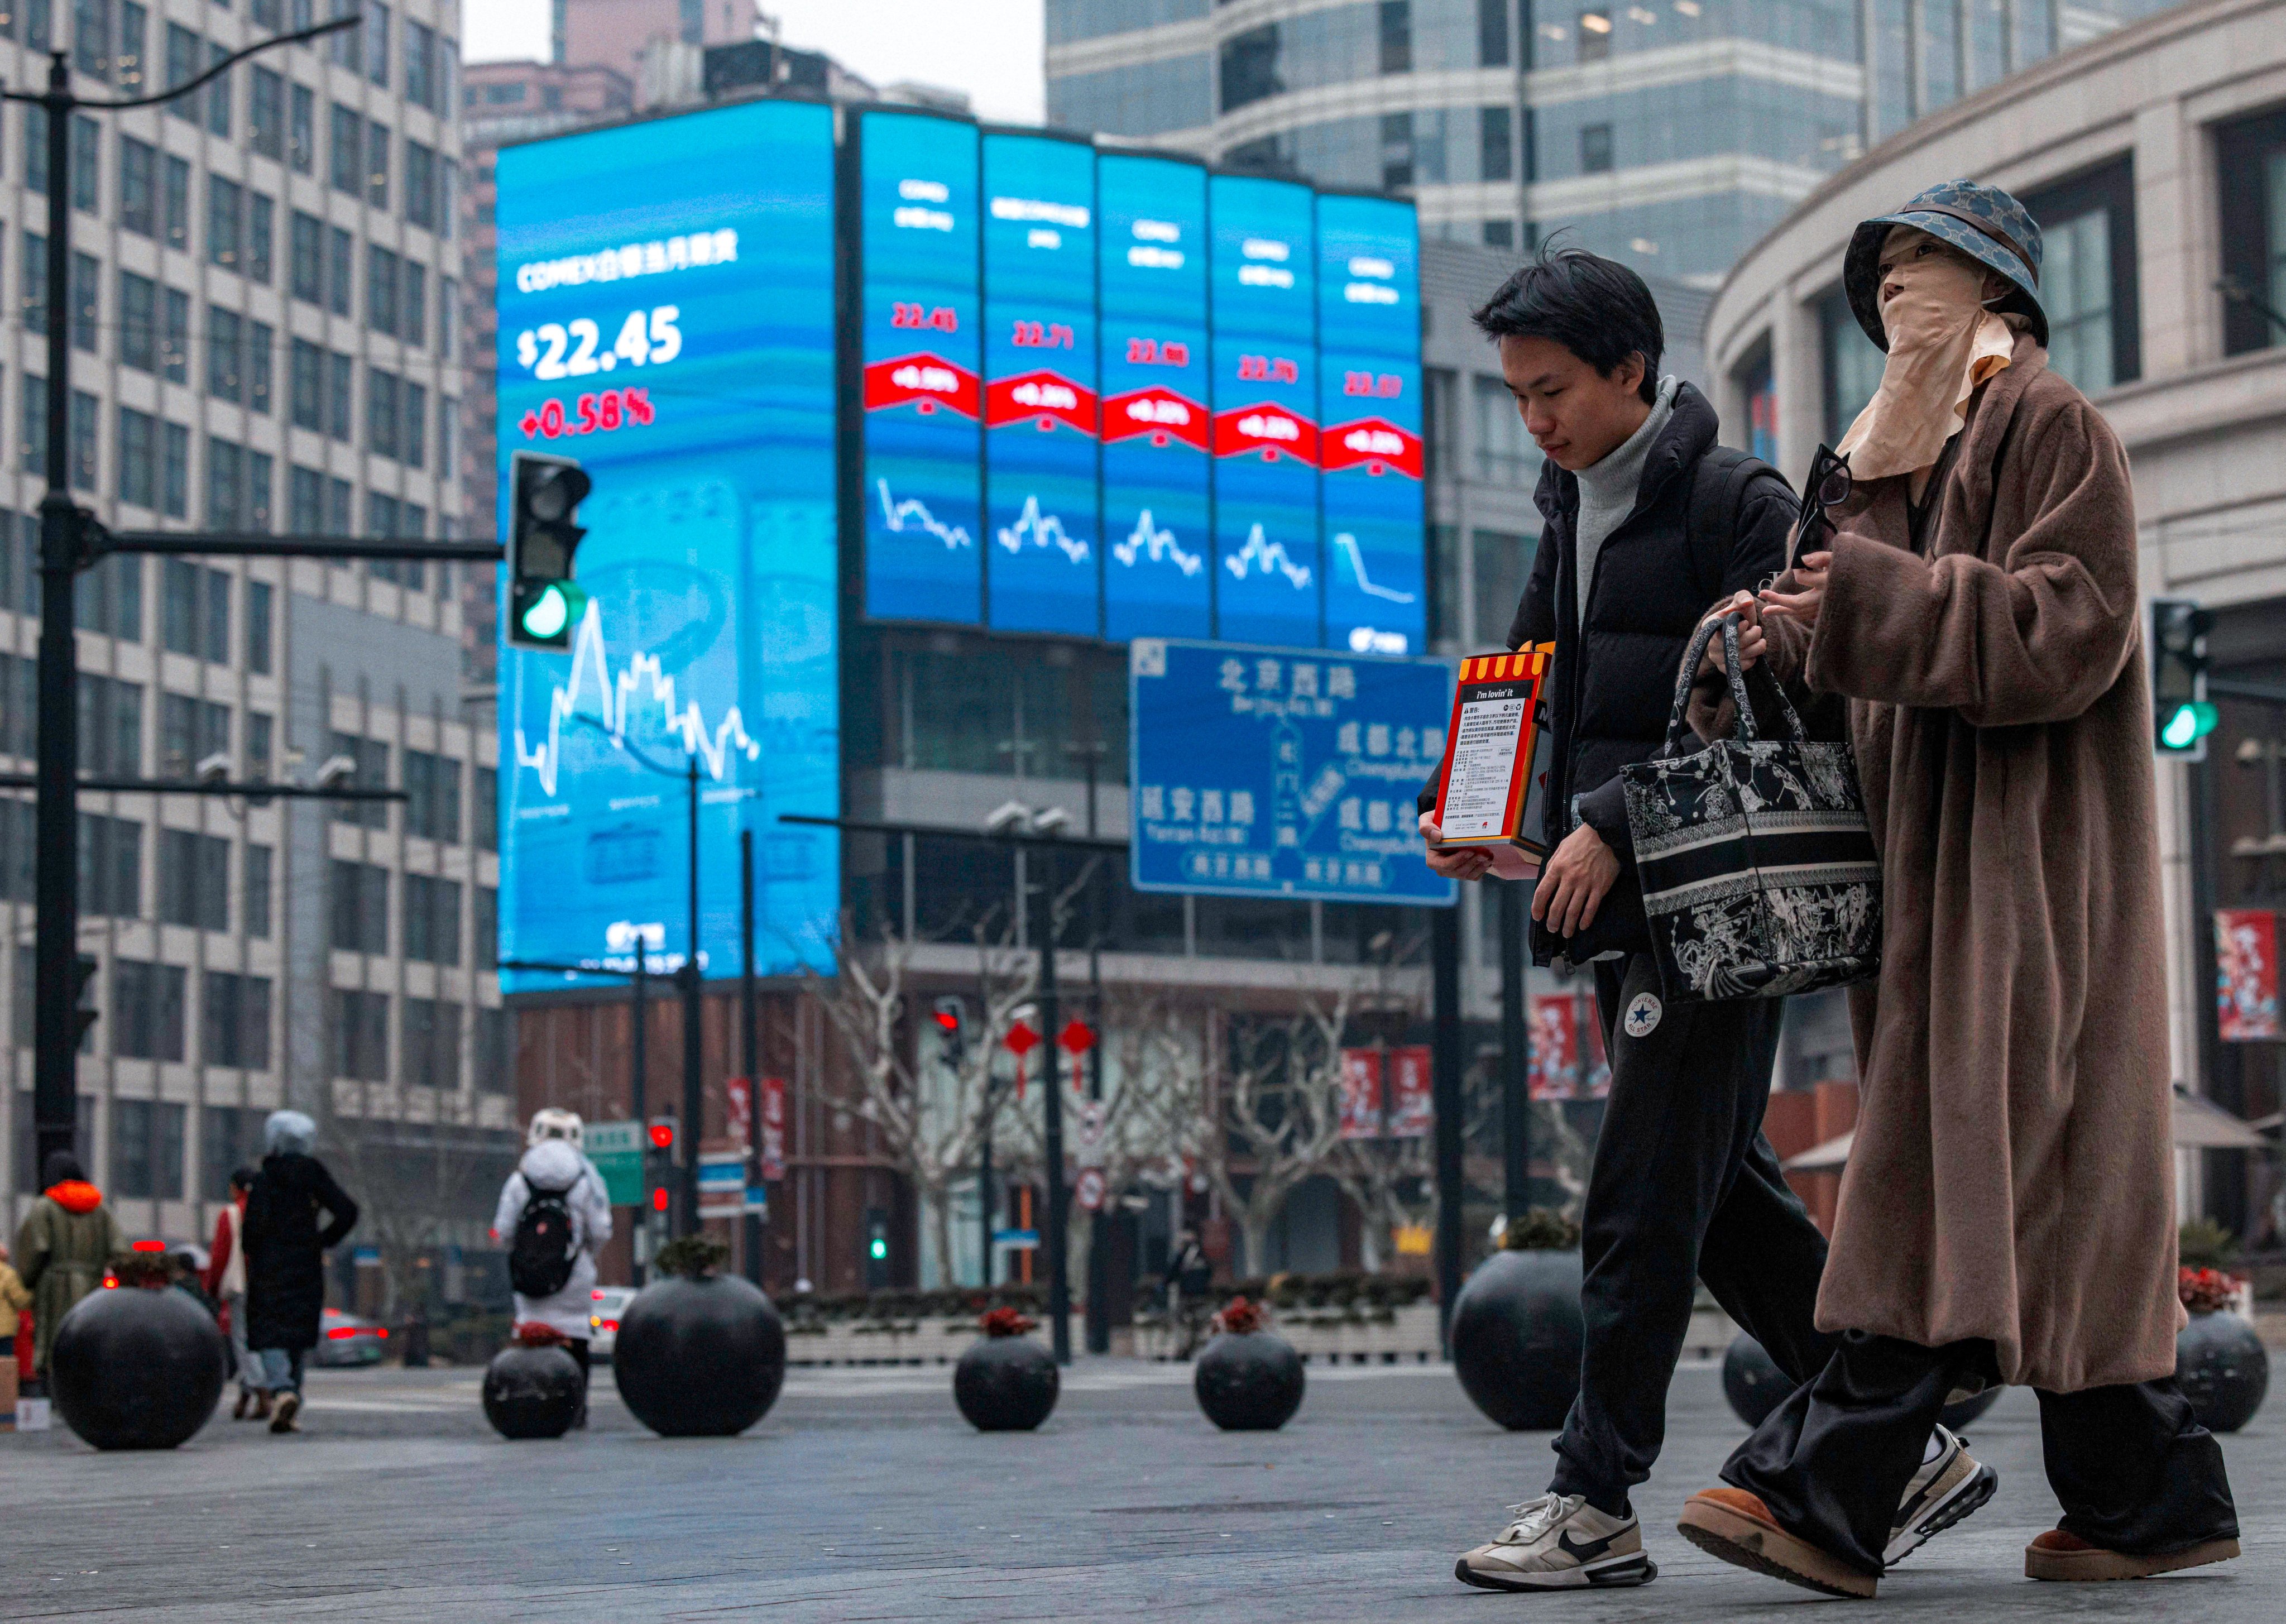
{"x": 1982, "y": 222}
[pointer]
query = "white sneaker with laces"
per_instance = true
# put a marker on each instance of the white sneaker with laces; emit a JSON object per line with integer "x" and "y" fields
{"x": 1949, "y": 1485}
{"x": 1559, "y": 1542}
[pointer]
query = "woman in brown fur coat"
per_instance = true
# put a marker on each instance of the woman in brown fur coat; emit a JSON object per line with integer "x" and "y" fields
{"x": 2008, "y": 1213}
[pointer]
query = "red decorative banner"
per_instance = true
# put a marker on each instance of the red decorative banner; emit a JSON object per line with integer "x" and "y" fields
{"x": 1361, "y": 1093}
{"x": 2246, "y": 975}
{"x": 1560, "y": 1022}
{"x": 1270, "y": 430}
{"x": 926, "y": 379}
{"x": 1374, "y": 443}
{"x": 1048, "y": 398}
{"x": 1160, "y": 413}
{"x": 1411, "y": 1110}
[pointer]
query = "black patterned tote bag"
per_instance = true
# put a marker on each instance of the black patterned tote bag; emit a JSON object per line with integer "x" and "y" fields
{"x": 1759, "y": 873}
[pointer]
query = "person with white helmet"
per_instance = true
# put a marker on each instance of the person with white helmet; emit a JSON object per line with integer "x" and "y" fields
{"x": 555, "y": 1215}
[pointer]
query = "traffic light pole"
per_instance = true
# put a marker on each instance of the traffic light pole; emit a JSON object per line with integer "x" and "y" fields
{"x": 1052, "y": 1111}
{"x": 692, "y": 985}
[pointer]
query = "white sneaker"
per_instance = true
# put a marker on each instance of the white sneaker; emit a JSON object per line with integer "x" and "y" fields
{"x": 1559, "y": 1542}
{"x": 1947, "y": 1488}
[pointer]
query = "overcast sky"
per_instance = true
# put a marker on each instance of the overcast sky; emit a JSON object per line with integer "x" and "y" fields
{"x": 989, "y": 48}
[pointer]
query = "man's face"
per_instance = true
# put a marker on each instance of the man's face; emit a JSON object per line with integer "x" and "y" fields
{"x": 1574, "y": 414}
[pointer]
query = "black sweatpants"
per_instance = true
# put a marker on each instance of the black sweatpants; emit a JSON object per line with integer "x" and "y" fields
{"x": 2135, "y": 1472}
{"x": 1683, "y": 1187}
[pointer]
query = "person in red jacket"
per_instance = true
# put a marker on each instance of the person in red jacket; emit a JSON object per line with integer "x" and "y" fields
{"x": 226, "y": 1282}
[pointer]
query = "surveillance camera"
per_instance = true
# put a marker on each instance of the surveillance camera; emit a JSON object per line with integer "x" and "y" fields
{"x": 1053, "y": 821}
{"x": 336, "y": 771}
{"x": 214, "y": 768}
{"x": 1009, "y": 817}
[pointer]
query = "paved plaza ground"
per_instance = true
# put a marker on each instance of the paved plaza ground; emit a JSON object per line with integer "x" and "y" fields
{"x": 864, "y": 1496}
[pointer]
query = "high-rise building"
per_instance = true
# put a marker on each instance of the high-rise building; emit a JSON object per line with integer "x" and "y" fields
{"x": 264, "y": 307}
{"x": 1669, "y": 135}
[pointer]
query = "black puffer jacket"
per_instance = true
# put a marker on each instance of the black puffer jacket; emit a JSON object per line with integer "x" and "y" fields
{"x": 286, "y": 1249}
{"x": 1654, "y": 579}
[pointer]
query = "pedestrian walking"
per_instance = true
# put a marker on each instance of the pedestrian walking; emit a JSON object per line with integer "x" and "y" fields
{"x": 2008, "y": 1212}
{"x": 286, "y": 1251}
{"x": 67, "y": 1242}
{"x": 226, "y": 1282}
{"x": 14, "y": 1299}
{"x": 1648, "y": 521}
{"x": 1190, "y": 1282}
{"x": 554, "y": 1214}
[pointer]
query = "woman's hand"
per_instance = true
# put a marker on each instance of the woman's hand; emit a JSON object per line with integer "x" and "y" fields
{"x": 1461, "y": 863}
{"x": 1752, "y": 644}
{"x": 1802, "y": 606}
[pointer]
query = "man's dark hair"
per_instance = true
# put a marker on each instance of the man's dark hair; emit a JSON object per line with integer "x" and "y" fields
{"x": 1597, "y": 308}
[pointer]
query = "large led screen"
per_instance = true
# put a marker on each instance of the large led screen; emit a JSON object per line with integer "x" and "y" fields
{"x": 1369, "y": 443}
{"x": 1152, "y": 286}
{"x": 924, "y": 400}
{"x": 666, "y": 317}
{"x": 1267, "y": 580}
{"x": 1040, "y": 512}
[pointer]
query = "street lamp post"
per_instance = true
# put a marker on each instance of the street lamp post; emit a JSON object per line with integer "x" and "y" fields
{"x": 1052, "y": 1111}
{"x": 692, "y": 984}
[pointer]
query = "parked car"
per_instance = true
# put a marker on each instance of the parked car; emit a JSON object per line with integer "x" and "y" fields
{"x": 603, "y": 1320}
{"x": 346, "y": 1340}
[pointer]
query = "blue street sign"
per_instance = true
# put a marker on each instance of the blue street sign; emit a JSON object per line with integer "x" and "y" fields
{"x": 1282, "y": 772}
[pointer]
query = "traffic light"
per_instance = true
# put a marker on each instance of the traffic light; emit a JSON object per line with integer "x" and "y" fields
{"x": 544, "y": 604}
{"x": 2181, "y": 715}
{"x": 950, "y": 1024}
{"x": 662, "y": 1160}
{"x": 84, "y": 1012}
{"x": 877, "y": 1248}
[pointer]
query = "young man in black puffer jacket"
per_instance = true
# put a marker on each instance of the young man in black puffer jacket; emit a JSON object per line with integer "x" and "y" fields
{"x": 1650, "y": 523}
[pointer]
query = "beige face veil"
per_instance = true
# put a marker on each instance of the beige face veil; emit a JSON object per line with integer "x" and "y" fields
{"x": 1944, "y": 341}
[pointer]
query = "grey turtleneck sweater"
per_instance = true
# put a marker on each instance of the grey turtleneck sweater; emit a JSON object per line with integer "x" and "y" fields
{"x": 1608, "y": 490}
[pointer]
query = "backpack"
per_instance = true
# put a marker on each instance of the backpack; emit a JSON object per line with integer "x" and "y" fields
{"x": 1718, "y": 492}
{"x": 540, "y": 1258}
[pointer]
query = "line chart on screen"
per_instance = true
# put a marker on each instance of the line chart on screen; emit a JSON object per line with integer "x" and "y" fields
{"x": 1034, "y": 528}
{"x": 1146, "y": 542}
{"x": 911, "y": 513}
{"x": 1261, "y": 556}
{"x": 616, "y": 698}
{"x": 1347, "y": 545}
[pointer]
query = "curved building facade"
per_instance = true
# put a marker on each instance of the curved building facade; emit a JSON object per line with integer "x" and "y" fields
{"x": 2155, "y": 160}
{"x": 1668, "y": 134}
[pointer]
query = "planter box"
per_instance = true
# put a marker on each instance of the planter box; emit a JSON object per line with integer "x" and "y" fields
{"x": 1409, "y": 1335}
{"x": 925, "y": 1342}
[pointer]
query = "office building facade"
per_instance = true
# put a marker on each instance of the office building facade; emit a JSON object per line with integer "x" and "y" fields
{"x": 267, "y": 321}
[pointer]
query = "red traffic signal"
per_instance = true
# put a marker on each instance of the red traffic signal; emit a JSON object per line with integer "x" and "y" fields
{"x": 658, "y": 1200}
{"x": 662, "y": 1135}
{"x": 947, "y": 1021}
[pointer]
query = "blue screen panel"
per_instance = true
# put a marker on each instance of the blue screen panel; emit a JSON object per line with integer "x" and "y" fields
{"x": 1157, "y": 550}
{"x": 1268, "y": 581}
{"x": 1039, "y": 385}
{"x": 1369, "y": 448}
{"x": 920, "y": 322}
{"x": 666, "y": 318}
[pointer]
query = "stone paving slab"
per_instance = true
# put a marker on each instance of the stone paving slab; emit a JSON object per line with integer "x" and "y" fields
{"x": 864, "y": 1496}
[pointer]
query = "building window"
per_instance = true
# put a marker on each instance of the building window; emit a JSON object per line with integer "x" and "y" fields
{"x": 376, "y": 165}
{"x": 339, "y": 376}
{"x": 421, "y": 66}
{"x": 1496, "y": 145}
{"x": 306, "y": 258}
{"x": 175, "y": 198}
{"x": 1850, "y": 362}
{"x": 370, "y": 755}
{"x": 1757, "y": 384}
{"x": 194, "y": 879}
{"x": 146, "y": 1015}
{"x": 254, "y": 899}
{"x": 110, "y": 865}
{"x": 432, "y": 787}
{"x": 1595, "y": 35}
{"x": 138, "y": 458}
{"x": 182, "y": 68}
{"x": 225, "y": 221}
{"x": 432, "y": 920}
{"x": 2087, "y": 276}
{"x": 86, "y": 164}
{"x": 1250, "y": 68}
{"x": 419, "y": 185}
{"x": 301, "y": 129}
{"x": 138, "y": 322}
{"x": 348, "y": 171}
{"x": 1396, "y": 36}
{"x": 381, "y": 289}
{"x": 1595, "y": 149}
{"x": 1492, "y": 33}
{"x": 87, "y": 309}
{"x": 190, "y": 730}
{"x": 360, "y": 907}
{"x": 360, "y": 1027}
{"x": 138, "y": 187}
{"x": 341, "y": 256}
{"x": 230, "y": 1137}
{"x": 431, "y": 1040}
{"x": 260, "y": 236}
{"x": 265, "y": 114}
{"x": 257, "y": 626}
{"x": 127, "y": 61}
{"x": 174, "y": 470}
{"x": 225, "y": 354}
{"x": 218, "y": 94}
{"x": 2251, "y": 171}
{"x": 1505, "y": 453}
{"x": 147, "y": 1138}
{"x": 234, "y": 1026}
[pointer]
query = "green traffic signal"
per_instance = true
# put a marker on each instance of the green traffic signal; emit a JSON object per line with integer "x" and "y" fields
{"x": 553, "y": 610}
{"x": 2188, "y": 724}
